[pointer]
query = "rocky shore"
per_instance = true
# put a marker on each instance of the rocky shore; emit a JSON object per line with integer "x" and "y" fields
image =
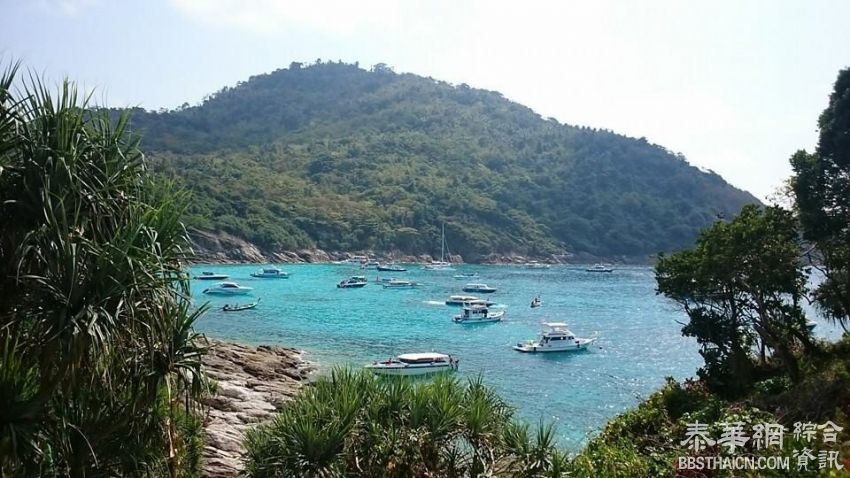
{"x": 223, "y": 248}
{"x": 252, "y": 382}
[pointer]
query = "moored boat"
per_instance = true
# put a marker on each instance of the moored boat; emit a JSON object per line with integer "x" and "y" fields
{"x": 270, "y": 273}
{"x": 463, "y": 299}
{"x": 556, "y": 338}
{"x": 536, "y": 265}
{"x": 479, "y": 288}
{"x": 354, "y": 282}
{"x": 228, "y": 288}
{"x": 237, "y": 307}
{"x": 466, "y": 275}
{"x": 391, "y": 268}
{"x": 400, "y": 284}
{"x": 483, "y": 302}
{"x": 357, "y": 260}
{"x": 207, "y": 275}
{"x": 442, "y": 264}
{"x": 478, "y": 314}
{"x": 415, "y": 364}
{"x": 600, "y": 268}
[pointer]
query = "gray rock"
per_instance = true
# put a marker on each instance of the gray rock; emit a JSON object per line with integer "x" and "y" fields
{"x": 252, "y": 384}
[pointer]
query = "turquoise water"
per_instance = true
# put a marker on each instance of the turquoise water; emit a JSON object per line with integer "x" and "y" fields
{"x": 640, "y": 341}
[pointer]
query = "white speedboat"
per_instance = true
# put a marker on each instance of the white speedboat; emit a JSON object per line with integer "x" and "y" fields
{"x": 483, "y": 302}
{"x": 478, "y": 314}
{"x": 354, "y": 282}
{"x": 228, "y": 288}
{"x": 556, "y": 338}
{"x": 599, "y": 268}
{"x": 206, "y": 275}
{"x": 536, "y": 265}
{"x": 370, "y": 264}
{"x": 357, "y": 260}
{"x": 479, "y": 288}
{"x": 466, "y": 275}
{"x": 270, "y": 273}
{"x": 460, "y": 299}
{"x": 415, "y": 364}
{"x": 400, "y": 284}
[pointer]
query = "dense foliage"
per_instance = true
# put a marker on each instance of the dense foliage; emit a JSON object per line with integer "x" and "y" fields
{"x": 741, "y": 287}
{"x": 821, "y": 186}
{"x": 331, "y": 155}
{"x": 648, "y": 440}
{"x": 98, "y": 361}
{"x": 354, "y": 424}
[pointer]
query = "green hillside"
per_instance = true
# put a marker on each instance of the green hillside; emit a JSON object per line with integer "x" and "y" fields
{"x": 337, "y": 157}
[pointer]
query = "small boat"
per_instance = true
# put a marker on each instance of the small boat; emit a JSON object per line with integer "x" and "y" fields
{"x": 206, "y": 275}
{"x": 478, "y": 314}
{"x": 599, "y": 268}
{"x": 391, "y": 268}
{"x": 464, "y": 299}
{"x": 536, "y": 302}
{"x": 354, "y": 282}
{"x": 415, "y": 364}
{"x": 237, "y": 307}
{"x": 536, "y": 265}
{"x": 352, "y": 260}
{"x": 400, "y": 284}
{"x": 484, "y": 302}
{"x": 466, "y": 275}
{"x": 557, "y": 338}
{"x": 270, "y": 273}
{"x": 479, "y": 288}
{"x": 810, "y": 325}
{"x": 228, "y": 288}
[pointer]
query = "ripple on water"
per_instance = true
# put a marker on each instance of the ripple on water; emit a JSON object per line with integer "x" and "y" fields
{"x": 640, "y": 341}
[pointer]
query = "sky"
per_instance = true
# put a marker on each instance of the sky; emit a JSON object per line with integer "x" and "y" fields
{"x": 735, "y": 86}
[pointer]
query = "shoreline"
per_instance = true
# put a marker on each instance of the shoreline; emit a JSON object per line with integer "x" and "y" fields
{"x": 252, "y": 382}
{"x": 223, "y": 248}
{"x": 317, "y": 256}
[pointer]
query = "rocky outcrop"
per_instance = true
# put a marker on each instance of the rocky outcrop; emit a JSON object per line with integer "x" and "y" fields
{"x": 221, "y": 247}
{"x": 252, "y": 383}
{"x": 224, "y": 248}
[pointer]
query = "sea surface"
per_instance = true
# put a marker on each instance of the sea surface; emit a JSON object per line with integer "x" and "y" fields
{"x": 639, "y": 332}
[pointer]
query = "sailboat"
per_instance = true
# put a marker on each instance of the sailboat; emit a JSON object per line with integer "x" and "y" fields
{"x": 441, "y": 265}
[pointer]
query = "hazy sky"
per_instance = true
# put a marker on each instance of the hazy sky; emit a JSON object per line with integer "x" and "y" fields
{"x": 734, "y": 85}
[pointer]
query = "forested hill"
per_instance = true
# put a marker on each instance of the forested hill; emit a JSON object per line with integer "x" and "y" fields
{"x": 336, "y": 157}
